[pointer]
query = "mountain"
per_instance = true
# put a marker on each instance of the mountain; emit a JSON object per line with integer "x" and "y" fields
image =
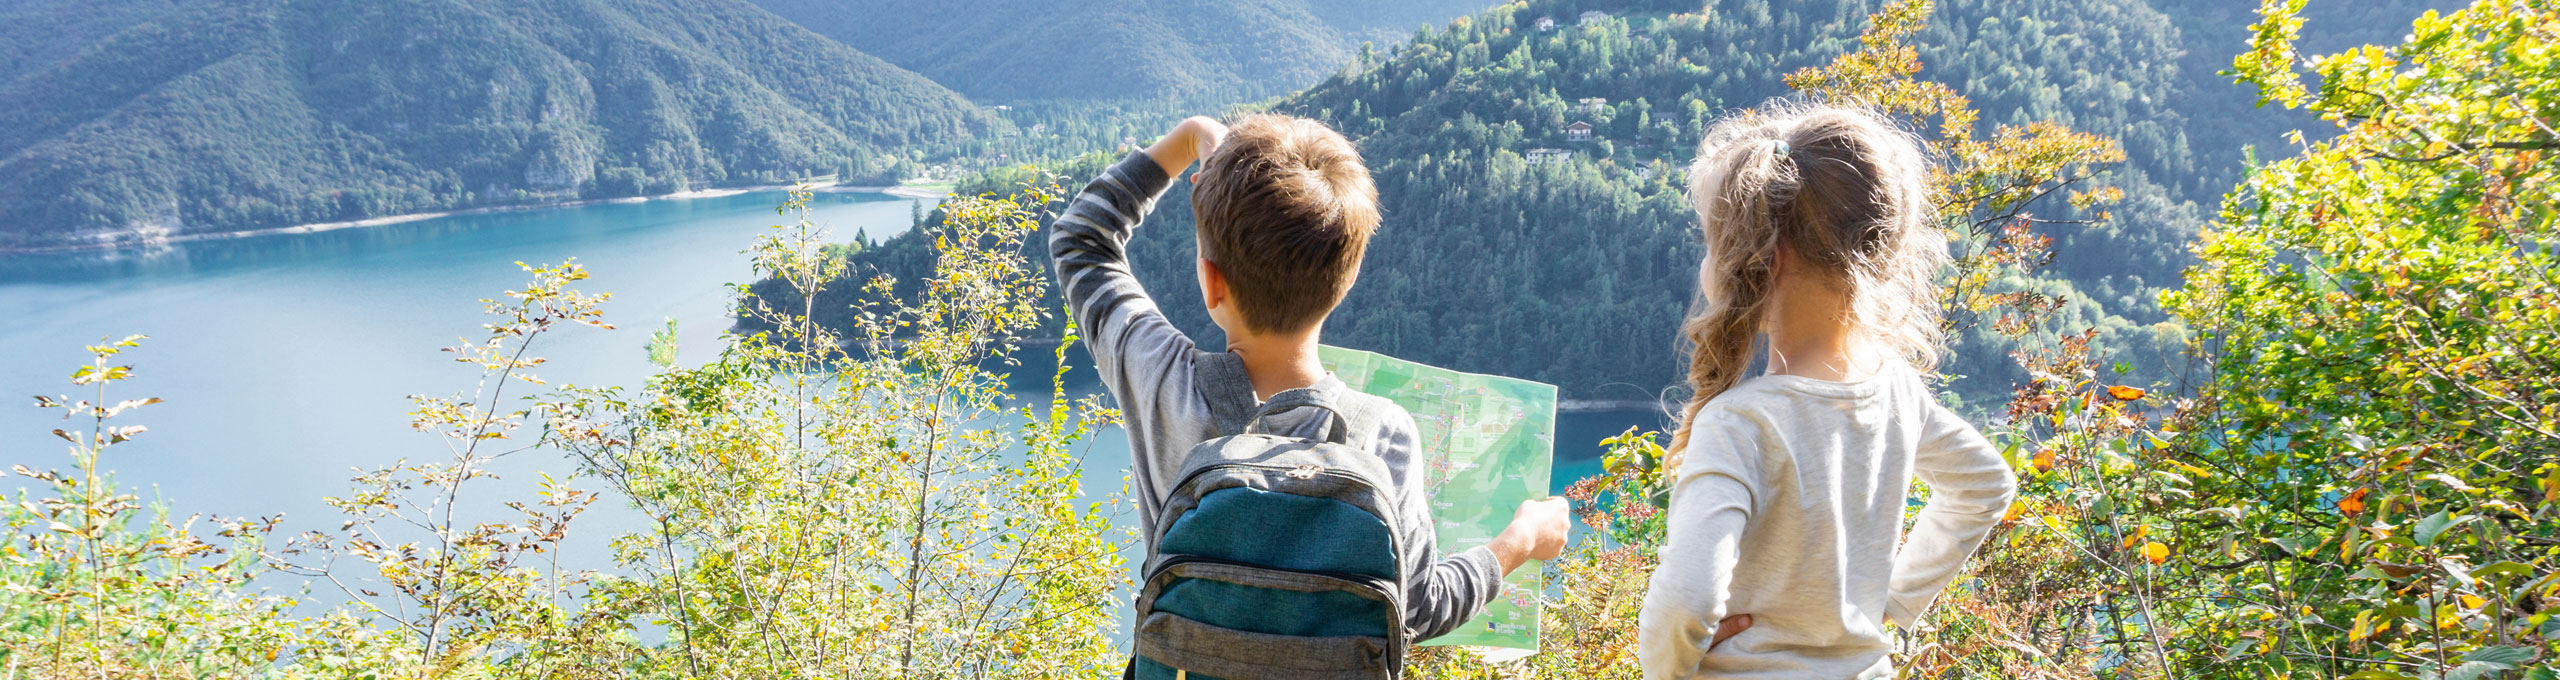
{"x": 1577, "y": 268}
{"x": 143, "y": 119}
{"x": 1205, "y": 52}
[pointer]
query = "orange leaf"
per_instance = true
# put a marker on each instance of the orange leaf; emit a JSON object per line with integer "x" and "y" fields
{"x": 2156, "y": 553}
{"x": 2044, "y": 460}
{"x": 2354, "y": 502}
{"x": 2125, "y": 393}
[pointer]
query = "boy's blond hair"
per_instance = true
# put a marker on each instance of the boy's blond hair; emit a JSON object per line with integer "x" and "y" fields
{"x": 1284, "y": 209}
{"x": 1847, "y": 193}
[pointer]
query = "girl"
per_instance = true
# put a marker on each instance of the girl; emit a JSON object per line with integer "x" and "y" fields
{"x": 1788, "y": 487}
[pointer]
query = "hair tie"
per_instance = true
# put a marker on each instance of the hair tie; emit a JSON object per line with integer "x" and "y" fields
{"x": 1780, "y": 146}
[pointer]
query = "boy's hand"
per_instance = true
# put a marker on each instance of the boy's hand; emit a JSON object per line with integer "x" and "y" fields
{"x": 1537, "y": 532}
{"x": 1190, "y": 140}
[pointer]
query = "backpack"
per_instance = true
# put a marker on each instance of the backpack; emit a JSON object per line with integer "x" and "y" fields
{"x": 1275, "y": 556}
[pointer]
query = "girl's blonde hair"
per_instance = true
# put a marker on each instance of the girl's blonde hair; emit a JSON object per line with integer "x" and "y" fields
{"x": 1842, "y": 189}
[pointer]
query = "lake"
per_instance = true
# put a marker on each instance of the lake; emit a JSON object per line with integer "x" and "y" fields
{"x": 286, "y": 361}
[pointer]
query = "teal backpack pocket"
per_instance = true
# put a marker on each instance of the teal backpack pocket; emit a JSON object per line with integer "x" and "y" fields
{"x": 1275, "y": 557}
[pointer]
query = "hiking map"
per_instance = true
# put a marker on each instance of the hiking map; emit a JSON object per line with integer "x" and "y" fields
{"x": 1488, "y": 444}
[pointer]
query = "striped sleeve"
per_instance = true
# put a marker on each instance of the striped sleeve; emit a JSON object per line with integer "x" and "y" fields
{"x": 1090, "y": 244}
{"x": 1139, "y": 356}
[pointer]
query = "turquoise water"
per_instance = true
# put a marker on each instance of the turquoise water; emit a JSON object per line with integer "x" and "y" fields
{"x": 287, "y": 361}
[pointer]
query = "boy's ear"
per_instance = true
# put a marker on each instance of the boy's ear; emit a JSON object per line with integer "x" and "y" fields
{"x": 1213, "y": 284}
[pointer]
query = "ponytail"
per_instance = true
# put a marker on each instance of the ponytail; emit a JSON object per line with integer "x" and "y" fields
{"x": 1740, "y": 189}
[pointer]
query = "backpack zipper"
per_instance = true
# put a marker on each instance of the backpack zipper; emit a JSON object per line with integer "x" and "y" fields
{"x": 1296, "y": 471}
{"x": 1397, "y": 645}
{"x": 1384, "y": 587}
{"x": 1395, "y": 542}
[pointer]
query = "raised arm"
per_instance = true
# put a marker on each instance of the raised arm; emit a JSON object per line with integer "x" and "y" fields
{"x": 1089, "y": 242}
{"x": 1970, "y": 486}
{"x": 1139, "y": 356}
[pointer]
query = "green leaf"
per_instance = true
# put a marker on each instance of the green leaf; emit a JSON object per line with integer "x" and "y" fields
{"x": 2503, "y": 569}
{"x": 2474, "y": 670}
{"x": 2242, "y": 647}
{"x": 2435, "y": 525}
{"x": 2505, "y": 657}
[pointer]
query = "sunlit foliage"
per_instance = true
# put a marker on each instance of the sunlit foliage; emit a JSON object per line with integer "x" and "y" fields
{"x": 2379, "y": 436}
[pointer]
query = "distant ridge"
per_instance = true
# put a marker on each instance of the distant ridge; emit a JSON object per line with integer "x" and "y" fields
{"x": 127, "y": 121}
{"x": 1186, "y": 51}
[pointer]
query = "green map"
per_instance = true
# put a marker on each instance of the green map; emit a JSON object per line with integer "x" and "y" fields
{"x": 1488, "y": 443}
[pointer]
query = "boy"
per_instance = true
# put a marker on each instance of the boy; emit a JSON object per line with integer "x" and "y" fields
{"x": 1284, "y": 210}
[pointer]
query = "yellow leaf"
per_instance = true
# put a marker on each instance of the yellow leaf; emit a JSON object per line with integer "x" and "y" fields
{"x": 2156, "y": 553}
{"x": 2125, "y": 393}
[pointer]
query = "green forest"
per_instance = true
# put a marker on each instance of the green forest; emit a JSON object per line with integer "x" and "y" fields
{"x": 2262, "y": 308}
{"x": 144, "y": 120}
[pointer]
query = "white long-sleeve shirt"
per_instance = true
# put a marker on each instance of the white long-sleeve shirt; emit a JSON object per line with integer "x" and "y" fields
{"x": 1787, "y": 506}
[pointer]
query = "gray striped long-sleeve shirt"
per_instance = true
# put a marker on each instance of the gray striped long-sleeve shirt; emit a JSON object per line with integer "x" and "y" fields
{"x": 1147, "y": 364}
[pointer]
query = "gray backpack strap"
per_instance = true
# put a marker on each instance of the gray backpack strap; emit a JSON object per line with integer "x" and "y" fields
{"x": 1355, "y": 415}
{"x": 1221, "y": 379}
{"x": 1311, "y": 397}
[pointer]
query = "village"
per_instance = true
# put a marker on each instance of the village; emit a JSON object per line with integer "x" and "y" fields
{"x": 1581, "y": 137}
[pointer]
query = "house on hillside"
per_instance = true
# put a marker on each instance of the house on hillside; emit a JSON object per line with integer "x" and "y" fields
{"x": 1593, "y": 16}
{"x": 1545, "y": 24}
{"x": 1543, "y": 156}
{"x": 1594, "y": 104}
{"x": 1577, "y": 132}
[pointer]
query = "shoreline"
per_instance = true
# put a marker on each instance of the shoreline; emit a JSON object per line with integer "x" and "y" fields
{"x": 1596, "y": 405}
{"x": 150, "y": 243}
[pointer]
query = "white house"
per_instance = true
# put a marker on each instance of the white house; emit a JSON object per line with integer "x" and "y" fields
{"x": 1592, "y": 16}
{"x": 1543, "y": 156}
{"x": 1545, "y": 24}
{"x": 1594, "y": 104}
{"x": 1577, "y": 132}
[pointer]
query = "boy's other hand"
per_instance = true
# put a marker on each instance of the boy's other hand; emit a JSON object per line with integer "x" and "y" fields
{"x": 1537, "y": 532}
{"x": 1190, "y": 140}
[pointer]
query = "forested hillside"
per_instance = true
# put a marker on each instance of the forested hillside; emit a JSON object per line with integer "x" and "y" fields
{"x": 1187, "y": 51}
{"x": 1587, "y": 246}
{"x": 130, "y": 120}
